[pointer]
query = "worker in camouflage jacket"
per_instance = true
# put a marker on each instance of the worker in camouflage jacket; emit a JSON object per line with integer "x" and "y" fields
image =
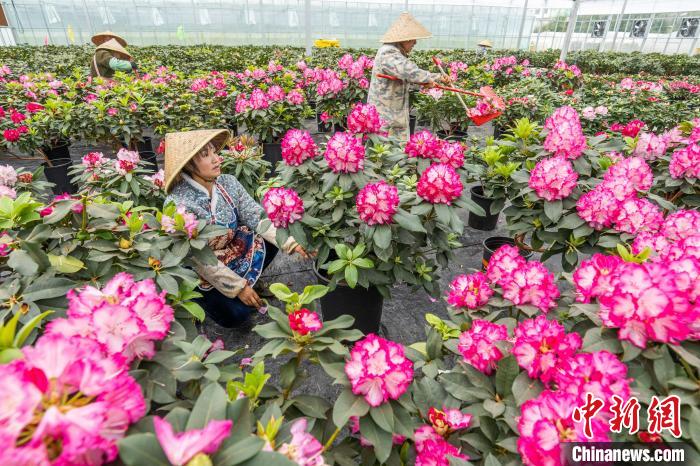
{"x": 390, "y": 97}
{"x": 110, "y": 56}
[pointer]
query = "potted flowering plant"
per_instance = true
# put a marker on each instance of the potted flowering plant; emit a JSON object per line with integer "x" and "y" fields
{"x": 564, "y": 77}
{"x": 244, "y": 159}
{"x": 376, "y": 212}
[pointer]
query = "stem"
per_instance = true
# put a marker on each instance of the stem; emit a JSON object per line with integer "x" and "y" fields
{"x": 288, "y": 390}
{"x": 688, "y": 370}
{"x": 83, "y": 226}
{"x": 330, "y": 441}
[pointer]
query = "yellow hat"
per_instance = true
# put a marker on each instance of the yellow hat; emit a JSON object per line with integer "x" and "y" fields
{"x": 114, "y": 46}
{"x": 104, "y": 36}
{"x": 181, "y": 147}
{"x": 485, "y": 43}
{"x": 406, "y": 27}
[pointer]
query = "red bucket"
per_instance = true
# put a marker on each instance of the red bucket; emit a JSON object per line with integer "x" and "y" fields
{"x": 481, "y": 119}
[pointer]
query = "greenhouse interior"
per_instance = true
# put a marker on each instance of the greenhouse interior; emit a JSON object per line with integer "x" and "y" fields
{"x": 325, "y": 232}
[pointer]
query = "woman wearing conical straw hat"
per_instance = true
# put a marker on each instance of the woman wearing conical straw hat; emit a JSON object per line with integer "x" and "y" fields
{"x": 110, "y": 56}
{"x": 484, "y": 47}
{"x": 390, "y": 97}
{"x": 193, "y": 181}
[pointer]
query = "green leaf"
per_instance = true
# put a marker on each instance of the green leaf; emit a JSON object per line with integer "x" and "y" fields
{"x": 553, "y": 210}
{"x": 281, "y": 291}
{"x": 240, "y": 451}
{"x": 22, "y": 263}
{"x": 7, "y": 331}
{"x": 351, "y": 275}
{"x": 26, "y": 330}
{"x": 348, "y": 405}
{"x": 383, "y": 415}
{"x": 382, "y": 236}
{"x": 195, "y": 309}
{"x": 312, "y": 293}
{"x": 409, "y": 222}
{"x": 141, "y": 449}
{"x": 66, "y": 264}
{"x": 211, "y": 404}
{"x": 379, "y": 438}
{"x": 506, "y": 373}
{"x": 268, "y": 458}
{"x": 525, "y": 388}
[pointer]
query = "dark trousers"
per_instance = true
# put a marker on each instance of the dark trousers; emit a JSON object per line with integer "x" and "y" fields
{"x": 231, "y": 312}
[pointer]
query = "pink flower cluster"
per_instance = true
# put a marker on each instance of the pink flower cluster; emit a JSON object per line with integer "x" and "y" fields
{"x": 304, "y": 449}
{"x": 298, "y": 146}
{"x": 355, "y": 69}
{"x": 631, "y": 129}
{"x": 553, "y": 178}
{"x": 423, "y": 144}
{"x": 125, "y": 317}
{"x": 650, "y": 146}
{"x": 478, "y": 345}
{"x": 590, "y": 113}
{"x": 469, "y": 291}
{"x": 377, "y": 203}
{"x": 595, "y": 277}
{"x": 378, "y": 370}
{"x": 127, "y": 161}
{"x": 433, "y": 450}
{"x": 562, "y": 66}
{"x": 158, "y": 179}
{"x": 440, "y": 184}
{"x": 565, "y": 136}
{"x": 447, "y": 421}
{"x": 345, "y": 153}
{"x": 8, "y": 179}
{"x": 614, "y": 202}
{"x": 451, "y": 153}
{"x": 189, "y": 221}
{"x": 180, "y": 448}
{"x": 328, "y": 83}
{"x": 522, "y": 282}
{"x": 304, "y": 321}
{"x": 685, "y": 162}
{"x": 283, "y": 206}
{"x": 541, "y": 345}
{"x": 546, "y": 422}
{"x": 364, "y": 118}
{"x": 71, "y": 398}
{"x": 261, "y": 100}
{"x": 93, "y": 161}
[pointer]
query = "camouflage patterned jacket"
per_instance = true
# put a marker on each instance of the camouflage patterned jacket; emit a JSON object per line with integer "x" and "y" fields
{"x": 391, "y": 97}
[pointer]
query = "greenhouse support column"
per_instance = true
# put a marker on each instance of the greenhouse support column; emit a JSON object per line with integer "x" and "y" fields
{"x": 617, "y": 25}
{"x": 569, "y": 30}
{"x": 307, "y": 27}
{"x": 522, "y": 26}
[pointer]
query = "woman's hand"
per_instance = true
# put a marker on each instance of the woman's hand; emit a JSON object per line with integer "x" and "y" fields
{"x": 302, "y": 252}
{"x": 250, "y": 298}
{"x": 445, "y": 79}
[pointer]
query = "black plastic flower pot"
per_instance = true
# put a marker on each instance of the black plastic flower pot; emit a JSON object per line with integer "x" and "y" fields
{"x": 456, "y": 135}
{"x": 146, "y": 152}
{"x": 272, "y": 152}
{"x": 412, "y": 124}
{"x": 57, "y": 173}
{"x": 59, "y": 151}
{"x": 363, "y": 304}
{"x": 145, "y": 146}
{"x": 480, "y": 222}
{"x": 491, "y": 245}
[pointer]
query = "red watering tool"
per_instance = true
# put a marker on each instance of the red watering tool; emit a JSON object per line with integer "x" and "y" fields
{"x": 486, "y": 93}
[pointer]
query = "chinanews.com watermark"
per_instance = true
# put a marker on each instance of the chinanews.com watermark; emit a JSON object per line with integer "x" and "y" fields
{"x": 662, "y": 415}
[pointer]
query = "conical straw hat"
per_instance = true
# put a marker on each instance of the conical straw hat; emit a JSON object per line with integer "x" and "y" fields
{"x": 103, "y": 36}
{"x": 114, "y": 46}
{"x": 181, "y": 147}
{"x": 485, "y": 43}
{"x": 406, "y": 27}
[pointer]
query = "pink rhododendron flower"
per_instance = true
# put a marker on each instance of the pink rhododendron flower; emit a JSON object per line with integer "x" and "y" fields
{"x": 541, "y": 345}
{"x": 126, "y": 162}
{"x": 11, "y": 135}
{"x": 531, "y": 284}
{"x": 242, "y": 104}
{"x": 364, "y": 118}
{"x": 439, "y": 184}
{"x": 283, "y": 206}
{"x": 345, "y": 153}
{"x": 258, "y": 100}
{"x": 180, "y": 448}
{"x": 433, "y": 450}
{"x": 598, "y": 207}
{"x": 600, "y": 373}
{"x": 157, "y": 179}
{"x": 295, "y": 97}
{"x": 504, "y": 261}
{"x": 304, "y": 449}
{"x": 112, "y": 111}
{"x": 325, "y": 117}
{"x": 478, "y": 345}
{"x": 377, "y": 203}
{"x": 681, "y": 224}
{"x": 6, "y": 191}
{"x": 628, "y": 176}
{"x": 635, "y": 215}
{"x": 451, "y": 153}
{"x": 449, "y": 420}
{"x": 298, "y": 146}
{"x": 69, "y": 398}
{"x": 565, "y": 135}
{"x": 17, "y": 117}
{"x": 423, "y": 144}
{"x": 650, "y": 146}
{"x": 275, "y": 93}
{"x": 190, "y": 221}
{"x": 553, "y": 178}
{"x": 8, "y": 176}
{"x": 76, "y": 208}
{"x": 94, "y": 160}
{"x": 304, "y": 321}
{"x": 469, "y": 291}
{"x": 378, "y": 370}
{"x": 685, "y": 162}
{"x": 33, "y": 107}
{"x": 546, "y": 422}
{"x": 595, "y": 277}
